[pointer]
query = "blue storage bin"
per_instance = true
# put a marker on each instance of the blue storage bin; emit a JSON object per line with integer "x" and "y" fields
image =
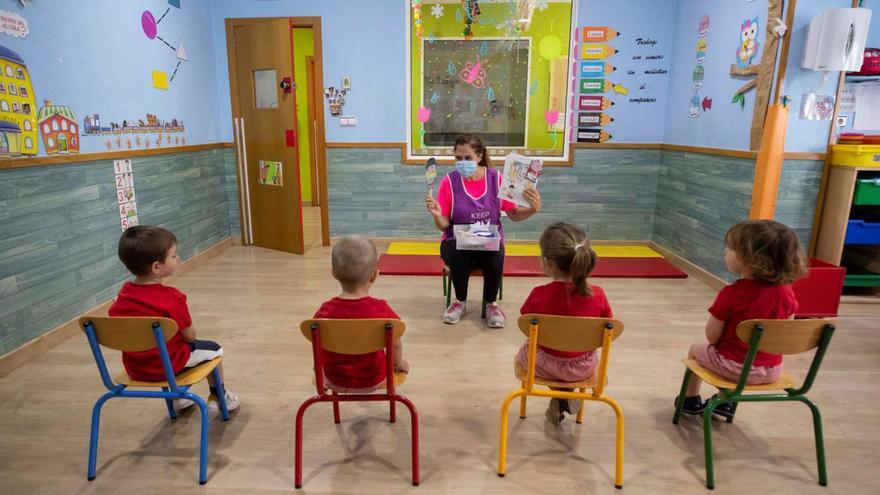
{"x": 862, "y": 232}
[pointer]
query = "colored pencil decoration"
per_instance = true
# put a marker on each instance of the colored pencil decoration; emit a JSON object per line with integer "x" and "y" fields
{"x": 593, "y": 34}
{"x": 590, "y": 135}
{"x": 597, "y": 51}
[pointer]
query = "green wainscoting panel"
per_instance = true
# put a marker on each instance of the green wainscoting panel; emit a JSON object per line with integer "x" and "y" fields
{"x": 60, "y": 226}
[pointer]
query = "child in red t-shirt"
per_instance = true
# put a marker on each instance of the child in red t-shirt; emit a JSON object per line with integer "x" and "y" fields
{"x": 566, "y": 256}
{"x": 768, "y": 257}
{"x": 354, "y": 261}
{"x": 150, "y": 254}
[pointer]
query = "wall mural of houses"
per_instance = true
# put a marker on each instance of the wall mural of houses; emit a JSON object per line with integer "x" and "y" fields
{"x": 18, "y": 126}
{"x": 59, "y": 128}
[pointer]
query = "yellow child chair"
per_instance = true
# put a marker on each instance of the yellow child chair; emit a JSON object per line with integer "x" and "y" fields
{"x": 776, "y": 337}
{"x": 571, "y": 334}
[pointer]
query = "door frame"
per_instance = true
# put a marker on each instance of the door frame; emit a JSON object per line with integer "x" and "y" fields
{"x": 320, "y": 139}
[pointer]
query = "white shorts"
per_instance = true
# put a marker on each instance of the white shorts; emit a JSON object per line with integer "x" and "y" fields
{"x": 202, "y": 351}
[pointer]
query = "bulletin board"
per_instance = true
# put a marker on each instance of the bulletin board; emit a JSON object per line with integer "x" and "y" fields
{"x": 497, "y": 69}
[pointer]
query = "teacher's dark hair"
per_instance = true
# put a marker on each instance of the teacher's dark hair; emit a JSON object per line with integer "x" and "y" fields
{"x": 477, "y": 145}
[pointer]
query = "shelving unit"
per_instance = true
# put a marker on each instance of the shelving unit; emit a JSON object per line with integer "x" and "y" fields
{"x": 849, "y": 232}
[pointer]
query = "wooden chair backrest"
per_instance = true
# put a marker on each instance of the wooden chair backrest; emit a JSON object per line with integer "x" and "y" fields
{"x": 360, "y": 336}
{"x": 129, "y": 334}
{"x": 784, "y": 336}
{"x": 570, "y": 333}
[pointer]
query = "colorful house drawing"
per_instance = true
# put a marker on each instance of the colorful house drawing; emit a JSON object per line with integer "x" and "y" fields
{"x": 59, "y": 128}
{"x": 17, "y": 106}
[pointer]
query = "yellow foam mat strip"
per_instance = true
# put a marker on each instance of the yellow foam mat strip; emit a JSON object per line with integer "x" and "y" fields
{"x": 607, "y": 251}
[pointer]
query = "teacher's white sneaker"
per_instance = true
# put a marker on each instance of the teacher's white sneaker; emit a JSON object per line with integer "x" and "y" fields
{"x": 454, "y": 312}
{"x": 494, "y": 316}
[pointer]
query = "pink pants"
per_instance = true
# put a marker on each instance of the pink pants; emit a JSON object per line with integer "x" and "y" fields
{"x": 563, "y": 369}
{"x": 707, "y": 355}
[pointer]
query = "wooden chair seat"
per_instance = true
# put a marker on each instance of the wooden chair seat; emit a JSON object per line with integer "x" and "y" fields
{"x": 399, "y": 378}
{"x": 785, "y": 381}
{"x": 183, "y": 379}
{"x": 588, "y": 383}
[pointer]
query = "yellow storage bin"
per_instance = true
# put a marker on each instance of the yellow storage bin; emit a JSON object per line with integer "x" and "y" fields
{"x": 855, "y": 155}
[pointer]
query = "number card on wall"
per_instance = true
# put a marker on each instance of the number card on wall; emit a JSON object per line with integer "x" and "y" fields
{"x": 125, "y": 197}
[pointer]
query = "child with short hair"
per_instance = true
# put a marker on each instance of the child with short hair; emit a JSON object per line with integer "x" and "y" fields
{"x": 566, "y": 256}
{"x": 354, "y": 260}
{"x": 150, "y": 254}
{"x": 768, "y": 257}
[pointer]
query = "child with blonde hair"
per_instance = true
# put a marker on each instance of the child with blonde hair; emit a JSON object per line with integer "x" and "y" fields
{"x": 768, "y": 257}
{"x": 566, "y": 256}
{"x": 353, "y": 261}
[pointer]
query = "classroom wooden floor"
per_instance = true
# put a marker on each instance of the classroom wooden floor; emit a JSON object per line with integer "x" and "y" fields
{"x": 251, "y": 300}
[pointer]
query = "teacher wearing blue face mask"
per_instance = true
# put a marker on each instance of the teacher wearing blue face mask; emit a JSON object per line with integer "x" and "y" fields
{"x": 466, "y": 196}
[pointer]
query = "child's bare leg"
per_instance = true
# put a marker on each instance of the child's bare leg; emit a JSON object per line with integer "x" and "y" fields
{"x": 693, "y": 388}
{"x": 211, "y": 380}
{"x": 400, "y": 364}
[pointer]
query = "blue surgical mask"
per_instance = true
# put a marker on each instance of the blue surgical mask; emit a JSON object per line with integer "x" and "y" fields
{"x": 466, "y": 167}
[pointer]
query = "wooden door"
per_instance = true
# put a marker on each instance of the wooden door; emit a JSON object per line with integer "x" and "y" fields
{"x": 266, "y": 116}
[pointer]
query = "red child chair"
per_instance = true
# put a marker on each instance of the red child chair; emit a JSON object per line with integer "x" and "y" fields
{"x": 360, "y": 336}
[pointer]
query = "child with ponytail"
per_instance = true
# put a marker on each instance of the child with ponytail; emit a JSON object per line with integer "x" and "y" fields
{"x": 566, "y": 256}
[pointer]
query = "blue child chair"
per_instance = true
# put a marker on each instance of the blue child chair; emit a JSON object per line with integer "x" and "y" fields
{"x": 142, "y": 334}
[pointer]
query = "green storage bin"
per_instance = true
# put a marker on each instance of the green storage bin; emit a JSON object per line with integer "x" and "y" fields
{"x": 867, "y": 192}
{"x": 860, "y": 277}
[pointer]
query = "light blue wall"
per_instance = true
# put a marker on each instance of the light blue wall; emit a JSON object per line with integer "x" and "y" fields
{"x": 366, "y": 40}
{"x": 807, "y": 135}
{"x": 93, "y": 56}
{"x": 635, "y": 122}
{"x": 725, "y": 125}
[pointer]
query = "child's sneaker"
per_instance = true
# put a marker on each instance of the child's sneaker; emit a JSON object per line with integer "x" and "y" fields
{"x": 571, "y": 406}
{"x": 554, "y": 412}
{"x": 232, "y": 403}
{"x": 692, "y": 405}
{"x": 454, "y": 312}
{"x": 494, "y": 316}
{"x": 725, "y": 411}
{"x": 181, "y": 404}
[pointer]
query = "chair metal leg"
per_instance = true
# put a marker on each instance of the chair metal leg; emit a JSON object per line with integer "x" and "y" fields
{"x": 679, "y": 403}
{"x": 203, "y": 448}
{"x": 444, "y": 282}
{"x": 93, "y": 436}
{"x": 448, "y": 291}
{"x": 297, "y": 432}
{"x": 707, "y": 441}
{"x": 414, "y": 417}
{"x": 501, "y": 289}
{"x": 221, "y": 391}
{"x": 336, "y": 418}
{"x": 618, "y": 457}
{"x": 580, "y": 414}
{"x": 820, "y": 439}
{"x": 393, "y": 411}
{"x": 502, "y": 447}
{"x": 522, "y": 403}
{"x": 170, "y": 405}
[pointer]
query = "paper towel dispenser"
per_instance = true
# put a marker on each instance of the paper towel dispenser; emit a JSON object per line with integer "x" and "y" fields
{"x": 836, "y": 40}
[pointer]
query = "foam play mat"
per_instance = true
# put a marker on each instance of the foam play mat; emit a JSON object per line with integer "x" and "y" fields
{"x": 603, "y": 251}
{"x": 530, "y": 266}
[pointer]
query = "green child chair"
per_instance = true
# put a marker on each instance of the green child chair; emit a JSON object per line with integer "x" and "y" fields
{"x": 773, "y": 336}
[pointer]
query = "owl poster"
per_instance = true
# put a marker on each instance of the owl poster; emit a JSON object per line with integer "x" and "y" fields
{"x": 748, "y": 42}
